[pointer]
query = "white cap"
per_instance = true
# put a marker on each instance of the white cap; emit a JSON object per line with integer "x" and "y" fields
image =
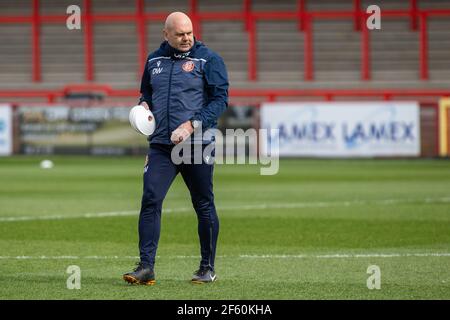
{"x": 139, "y": 120}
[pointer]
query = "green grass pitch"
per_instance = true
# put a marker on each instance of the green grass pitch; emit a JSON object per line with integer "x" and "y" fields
{"x": 309, "y": 232}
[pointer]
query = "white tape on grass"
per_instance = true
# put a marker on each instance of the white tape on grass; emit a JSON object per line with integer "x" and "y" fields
{"x": 243, "y": 256}
{"x": 292, "y": 205}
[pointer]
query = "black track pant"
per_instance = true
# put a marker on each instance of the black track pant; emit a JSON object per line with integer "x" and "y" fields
{"x": 159, "y": 174}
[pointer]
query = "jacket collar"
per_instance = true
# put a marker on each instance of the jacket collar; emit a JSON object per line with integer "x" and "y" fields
{"x": 177, "y": 54}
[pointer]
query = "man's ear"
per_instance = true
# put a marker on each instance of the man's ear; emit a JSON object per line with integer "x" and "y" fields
{"x": 165, "y": 34}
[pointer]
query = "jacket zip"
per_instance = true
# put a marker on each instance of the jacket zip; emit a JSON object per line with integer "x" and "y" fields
{"x": 168, "y": 100}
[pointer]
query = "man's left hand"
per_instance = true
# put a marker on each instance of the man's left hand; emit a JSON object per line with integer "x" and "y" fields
{"x": 182, "y": 133}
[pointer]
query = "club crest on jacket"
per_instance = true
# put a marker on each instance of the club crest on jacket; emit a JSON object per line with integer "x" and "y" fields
{"x": 188, "y": 66}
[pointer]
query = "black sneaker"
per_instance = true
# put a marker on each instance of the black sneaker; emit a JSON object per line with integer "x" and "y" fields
{"x": 204, "y": 275}
{"x": 140, "y": 275}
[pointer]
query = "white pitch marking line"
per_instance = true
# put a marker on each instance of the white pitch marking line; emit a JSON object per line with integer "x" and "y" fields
{"x": 87, "y": 257}
{"x": 243, "y": 256}
{"x": 356, "y": 255}
{"x": 293, "y": 205}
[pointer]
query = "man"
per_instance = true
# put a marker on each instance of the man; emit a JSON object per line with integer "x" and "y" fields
{"x": 185, "y": 85}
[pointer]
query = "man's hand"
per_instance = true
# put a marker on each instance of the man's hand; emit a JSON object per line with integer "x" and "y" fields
{"x": 182, "y": 133}
{"x": 145, "y": 105}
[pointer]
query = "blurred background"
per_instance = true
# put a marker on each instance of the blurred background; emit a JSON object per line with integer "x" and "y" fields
{"x": 66, "y": 91}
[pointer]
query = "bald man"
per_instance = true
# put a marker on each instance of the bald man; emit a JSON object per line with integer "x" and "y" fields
{"x": 185, "y": 85}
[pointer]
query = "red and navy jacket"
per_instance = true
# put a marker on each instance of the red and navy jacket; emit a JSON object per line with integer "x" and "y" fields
{"x": 181, "y": 86}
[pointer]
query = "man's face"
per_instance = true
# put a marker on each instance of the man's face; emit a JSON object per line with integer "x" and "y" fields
{"x": 180, "y": 36}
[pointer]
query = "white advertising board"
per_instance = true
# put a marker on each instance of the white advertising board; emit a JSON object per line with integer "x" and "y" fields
{"x": 342, "y": 129}
{"x": 5, "y": 130}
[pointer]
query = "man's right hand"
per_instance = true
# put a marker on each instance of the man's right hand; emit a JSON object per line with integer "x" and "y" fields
{"x": 143, "y": 103}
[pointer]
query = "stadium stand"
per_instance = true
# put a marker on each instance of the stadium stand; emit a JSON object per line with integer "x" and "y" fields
{"x": 279, "y": 55}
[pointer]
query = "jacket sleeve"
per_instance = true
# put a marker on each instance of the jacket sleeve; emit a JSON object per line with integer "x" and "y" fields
{"x": 146, "y": 88}
{"x": 216, "y": 91}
